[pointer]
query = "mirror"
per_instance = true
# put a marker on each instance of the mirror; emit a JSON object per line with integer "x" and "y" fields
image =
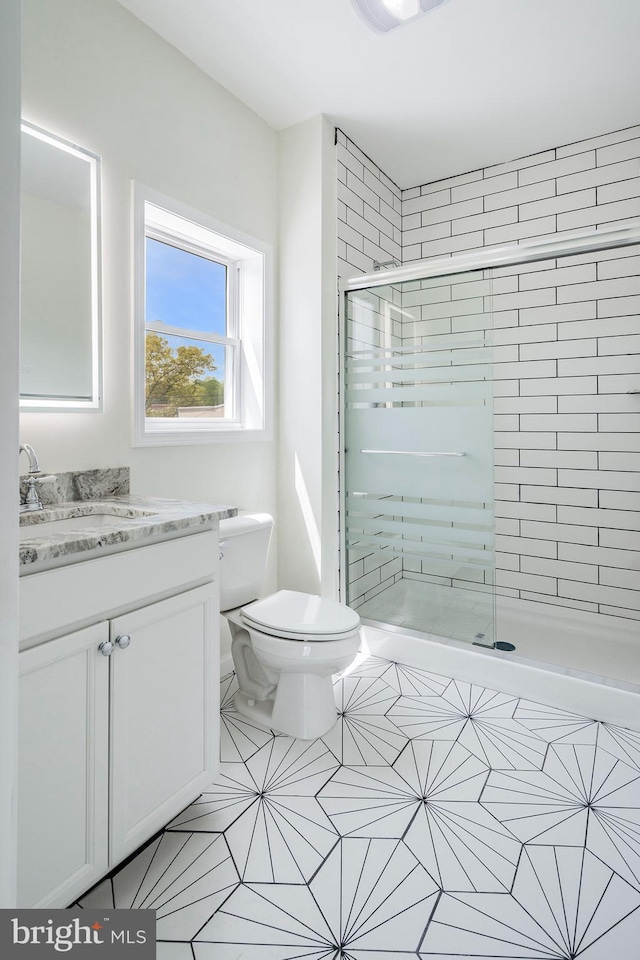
{"x": 60, "y": 324}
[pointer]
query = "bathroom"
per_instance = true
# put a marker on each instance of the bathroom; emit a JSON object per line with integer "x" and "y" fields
{"x": 96, "y": 75}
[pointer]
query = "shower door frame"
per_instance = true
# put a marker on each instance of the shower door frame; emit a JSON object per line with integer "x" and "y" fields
{"x": 514, "y": 254}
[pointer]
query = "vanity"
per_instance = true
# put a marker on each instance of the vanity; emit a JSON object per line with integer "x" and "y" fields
{"x": 118, "y": 688}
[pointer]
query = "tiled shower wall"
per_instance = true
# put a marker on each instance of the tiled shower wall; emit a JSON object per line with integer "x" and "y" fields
{"x": 568, "y": 351}
{"x": 369, "y": 230}
{"x": 567, "y": 337}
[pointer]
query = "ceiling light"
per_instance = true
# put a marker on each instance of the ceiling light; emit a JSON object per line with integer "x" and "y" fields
{"x": 385, "y": 15}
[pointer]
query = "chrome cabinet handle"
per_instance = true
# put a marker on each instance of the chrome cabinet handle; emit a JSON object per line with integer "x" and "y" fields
{"x": 123, "y": 641}
{"x": 106, "y": 648}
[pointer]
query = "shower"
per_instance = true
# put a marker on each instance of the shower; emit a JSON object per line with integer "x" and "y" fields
{"x": 487, "y": 415}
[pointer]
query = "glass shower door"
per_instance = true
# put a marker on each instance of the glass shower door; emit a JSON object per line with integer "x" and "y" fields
{"x": 418, "y": 457}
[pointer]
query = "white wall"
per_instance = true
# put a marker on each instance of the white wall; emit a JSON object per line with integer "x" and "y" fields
{"x": 9, "y": 311}
{"x": 97, "y": 76}
{"x": 307, "y": 355}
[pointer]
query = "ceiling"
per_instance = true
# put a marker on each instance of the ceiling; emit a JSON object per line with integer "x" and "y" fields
{"x": 472, "y": 83}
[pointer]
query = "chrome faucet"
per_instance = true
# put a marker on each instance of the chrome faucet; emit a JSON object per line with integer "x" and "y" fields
{"x": 32, "y": 499}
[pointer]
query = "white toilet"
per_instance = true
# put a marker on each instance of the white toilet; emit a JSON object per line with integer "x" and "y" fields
{"x": 285, "y": 647}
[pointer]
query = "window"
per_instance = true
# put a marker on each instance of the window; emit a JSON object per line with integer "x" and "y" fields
{"x": 202, "y": 342}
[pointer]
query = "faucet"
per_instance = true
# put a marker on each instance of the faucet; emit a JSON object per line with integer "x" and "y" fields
{"x": 32, "y": 499}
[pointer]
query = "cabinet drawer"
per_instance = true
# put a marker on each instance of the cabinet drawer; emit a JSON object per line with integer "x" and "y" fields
{"x": 53, "y": 601}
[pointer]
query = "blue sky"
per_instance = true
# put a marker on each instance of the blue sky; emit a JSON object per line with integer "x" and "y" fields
{"x": 187, "y": 291}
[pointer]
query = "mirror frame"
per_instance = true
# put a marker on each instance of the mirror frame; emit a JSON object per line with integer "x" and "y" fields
{"x": 94, "y": 402}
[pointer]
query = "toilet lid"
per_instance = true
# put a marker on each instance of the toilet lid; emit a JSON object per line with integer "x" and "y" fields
{"x": 301, "y": 615}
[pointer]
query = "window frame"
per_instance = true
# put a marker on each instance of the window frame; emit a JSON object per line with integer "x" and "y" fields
{"x": 248, "y": 352}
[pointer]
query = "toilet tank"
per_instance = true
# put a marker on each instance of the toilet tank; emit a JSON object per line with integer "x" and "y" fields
{"x": 244, "y": 545}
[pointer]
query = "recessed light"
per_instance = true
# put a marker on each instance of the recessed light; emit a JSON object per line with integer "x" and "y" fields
{"x": 385, "y": 15}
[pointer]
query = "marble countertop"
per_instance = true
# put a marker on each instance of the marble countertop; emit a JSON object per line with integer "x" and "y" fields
{"x": 96, "y": 527}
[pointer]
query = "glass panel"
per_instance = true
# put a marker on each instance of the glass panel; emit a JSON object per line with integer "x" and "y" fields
{"x": 419, "y": 455}
{"x": 184, "y": 377}
{"x": 185, "y": 290}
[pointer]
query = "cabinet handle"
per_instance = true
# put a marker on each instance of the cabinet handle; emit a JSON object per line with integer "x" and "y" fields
{"x": 123, "y": 641}
{"x": 106, "y": 648}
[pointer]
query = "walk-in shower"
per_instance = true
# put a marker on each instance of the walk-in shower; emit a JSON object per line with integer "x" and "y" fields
{"x": 490, "y": 450}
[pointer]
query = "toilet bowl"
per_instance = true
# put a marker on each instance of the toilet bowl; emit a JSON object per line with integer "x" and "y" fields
{"x": 285, "y": 647}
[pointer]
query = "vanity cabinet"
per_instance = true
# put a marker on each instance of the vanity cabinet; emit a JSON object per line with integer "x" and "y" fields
{"x": 118, "y": 721}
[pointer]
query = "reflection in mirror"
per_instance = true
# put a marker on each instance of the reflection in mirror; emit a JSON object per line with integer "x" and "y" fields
{"x": 60, "y": 274}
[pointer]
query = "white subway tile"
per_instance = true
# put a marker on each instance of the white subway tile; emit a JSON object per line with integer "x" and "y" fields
{"x": 623, "y": 190}
{"x": 599, "y": 290}
{"x": 506, "y": 198}
{"x": 507, "y": 491}
{"x": 617, "y": 136}
{"x": 436, "y": 231}
{"x": 618, "y": 306}
{"x": 411, "y": 252}
{"x": 523, "y": 546}
{"x": 454, "y": 308}
{"x": 415, "y": 205}
{"x": 521, "y": 231}
{"x": 506, "y": 458}
{"x": 523, "y": 300}
{"x": 614, "y": 519}
{"x": 412, "y": 222}
{"x": 525, "y": 405}
{"x": 507, "y": 561}
{"x": 618, "y": 612}
{"x": 606, "y": 327}
{"x": 376, "y": 218}
{"x": 619, "y": 499}
{"x": 350, "y": 199}
{"x": 626, "y": 150}
{"x": 507, "y": 527}
{"x": 530, "y": 475}
{"x": 341, "y": 210}
{"x": 620, "y": 539}
{"x": 629, "y": 579}
{"x": 602, "y": 556}
{"x": 582, "y": 273}
{"x": 483, "y": 221}
{"x": 466, "y": 241}
{"x": 456, "y": 181}
{"x": 484, "y": 187}
{"x": 605, "y": 213}
{"x": 502, "y": 319}
{"x": 569, "y": 459}
{"x": 351, "y": 162}
{"x": 560, "y": 204}
{"x": 414, "y": 298}
{"x": 504, "y": 284}
{"x": 521, "y": 163}
{"x": 557, "y": 386}
{"x": 598, "y": 176}
{"x": 390, "y": 214}
{"x": 365, "y": 193}
{"x": 561, "y": 532}
{"x": 557, "y": 168}
{"x": 620, "y": 461}
{"x": 524, "y": 581}
{"x": 359, "y": 224}
{"x": 559, "y": 349}
{"x": 508, "y": 422}
{"x": 599, "y": 366}
{"x": 526, "y": 511}
{"x": 560, "y": 602}
{"x": 523, "y": 370}
{"x": 600, "y": 594}
{"x": 452, "y": 211}
{"x": 584, "y": 572}
{"x": 373, "y": 181}
{"x": 602, "y": 480}
{"x": 532, "y": 334}
{"x": 410, "y": 193}
{"x": 598, "y": 441}
{"x": 624, "y": 267}
{"x": 562, "y": 496}
{"x": 619, "y": 422}
{"x": 559, "y": 314}
{"x": 533, "y": 440}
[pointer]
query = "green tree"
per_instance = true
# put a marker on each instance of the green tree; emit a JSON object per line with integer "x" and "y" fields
{"x": 172, "y": 377}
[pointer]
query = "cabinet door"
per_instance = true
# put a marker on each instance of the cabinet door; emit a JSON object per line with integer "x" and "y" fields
{"x": 63, "y": 744}
{"x": 165, "y": 732}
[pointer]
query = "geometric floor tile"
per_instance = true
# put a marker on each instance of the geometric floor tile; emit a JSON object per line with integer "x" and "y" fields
{"x": 239, "y": 736}
{"x": 565, "y": 904}
{"x": 370, "y": 898}
{"x": 362, "y": 733}
{"x": 267, "y": 810}
{"x": 436, "y": 819}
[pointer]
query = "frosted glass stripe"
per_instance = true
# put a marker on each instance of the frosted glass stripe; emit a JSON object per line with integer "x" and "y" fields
{"x": 461, "y": 354}
{"x": 454, "y": 536}
{"x": 415, "y": 550}
{"x": 430, "y": 513}
{"x": 426, "y": 375}
{"x": 417, "y": 453}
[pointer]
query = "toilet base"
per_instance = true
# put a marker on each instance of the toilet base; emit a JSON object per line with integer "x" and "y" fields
{"x": 303, "y": 706}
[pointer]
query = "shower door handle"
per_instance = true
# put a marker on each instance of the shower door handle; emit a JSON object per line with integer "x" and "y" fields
{"x": 418, "y": 453}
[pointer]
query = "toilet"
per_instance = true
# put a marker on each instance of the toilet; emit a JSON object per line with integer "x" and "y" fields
{"x": 285, "y": 647}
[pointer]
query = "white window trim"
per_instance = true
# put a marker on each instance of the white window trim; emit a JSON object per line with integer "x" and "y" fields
{"x": 252, "y": 285}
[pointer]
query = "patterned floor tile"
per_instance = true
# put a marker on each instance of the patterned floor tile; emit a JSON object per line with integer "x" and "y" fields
{"x": 239, "y": 737}
{"x": 363, "y": 734}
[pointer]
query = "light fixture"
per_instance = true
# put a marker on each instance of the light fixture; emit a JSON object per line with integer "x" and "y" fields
{"x": 385, "y": 15}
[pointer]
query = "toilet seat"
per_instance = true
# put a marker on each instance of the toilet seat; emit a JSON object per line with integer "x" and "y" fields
{"x": 291, "y": 615}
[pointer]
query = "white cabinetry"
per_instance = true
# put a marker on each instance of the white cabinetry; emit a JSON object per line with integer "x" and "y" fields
{"x": 113, "y": 746}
